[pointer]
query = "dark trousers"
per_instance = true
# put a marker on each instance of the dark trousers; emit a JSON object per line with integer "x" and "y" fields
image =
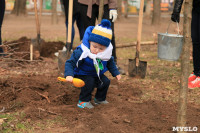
{"x": 195, "y": 34}
{"x": 92, "y": 82}
{"x": 2, "y": 10}
{"x": 92, "y": 21}
{"x": 79, "y": 23}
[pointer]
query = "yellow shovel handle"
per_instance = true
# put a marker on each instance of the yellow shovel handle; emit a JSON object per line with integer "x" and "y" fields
{"x": 62, "y": 79}
{"x": 76, "y": 82}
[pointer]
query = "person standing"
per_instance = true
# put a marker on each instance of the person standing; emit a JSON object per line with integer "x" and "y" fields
{"x": 2, "y": 11}
{"x": 194, "y": 78}
{"x": 89, "y": 10}
{"x": 75, "y": 17}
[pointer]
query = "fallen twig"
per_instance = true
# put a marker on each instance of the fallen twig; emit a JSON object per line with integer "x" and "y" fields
{"x": 134, "y": 44}
{"x": 50, "y": 112}
{"x": 11, "y": 44}
{"x": 45, "y": 96}
{"x": 22, "y": 60}
{"x": 60, "y": 96}
{"x": 16, "y": 53}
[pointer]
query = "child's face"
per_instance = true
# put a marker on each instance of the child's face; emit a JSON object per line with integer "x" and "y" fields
{"x": 96, "y": 48}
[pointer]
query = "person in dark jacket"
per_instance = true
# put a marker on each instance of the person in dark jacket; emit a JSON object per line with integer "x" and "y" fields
{"x": 90, "y": 61}
{"x": 2, "y": 11}
{"x": 194, "y": 78}
{"x": 75, "y": 17}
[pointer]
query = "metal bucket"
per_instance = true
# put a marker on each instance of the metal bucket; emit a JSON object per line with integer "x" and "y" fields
{"x": 169, "y": 46}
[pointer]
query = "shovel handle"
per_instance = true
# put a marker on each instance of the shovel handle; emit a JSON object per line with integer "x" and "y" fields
{"x": 101, "y": 9}
{"x": 62, "y": 79}
{"x": 69, "y": 31}
{"x": 76, "y": 82}
{"x": 139, "y": 28}
{"x": 36, "y": 17}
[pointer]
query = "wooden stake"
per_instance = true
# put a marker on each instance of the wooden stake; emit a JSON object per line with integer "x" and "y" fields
{"x": 31, "y": 52}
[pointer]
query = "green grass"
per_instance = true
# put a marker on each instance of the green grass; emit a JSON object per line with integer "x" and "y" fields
{"x": 15, "y": 123}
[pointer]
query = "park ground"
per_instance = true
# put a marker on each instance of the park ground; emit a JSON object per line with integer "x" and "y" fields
{"x": 36, "y": 102}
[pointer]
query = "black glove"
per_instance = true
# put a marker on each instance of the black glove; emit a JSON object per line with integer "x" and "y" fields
{"x": 175, "y": 17}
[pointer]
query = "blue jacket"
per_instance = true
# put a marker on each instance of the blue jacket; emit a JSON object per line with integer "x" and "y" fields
{"x": 86, "y": 66}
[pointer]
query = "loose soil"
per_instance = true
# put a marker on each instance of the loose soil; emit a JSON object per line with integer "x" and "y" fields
{"x": 32, "y": 87}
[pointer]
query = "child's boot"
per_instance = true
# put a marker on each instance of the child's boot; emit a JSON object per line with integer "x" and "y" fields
{"x": 100, "y": 102}
{"x": 85, "y": 105}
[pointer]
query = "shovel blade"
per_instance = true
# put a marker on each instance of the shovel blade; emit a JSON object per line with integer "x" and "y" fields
{"x": 37, "y": 44}
{"x": 63, "y": 56}
{"x": 137, "y": 71}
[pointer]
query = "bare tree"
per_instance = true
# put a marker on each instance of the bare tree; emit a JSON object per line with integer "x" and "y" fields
{"x": 156, "y": 12}
{"x": 185, "y": 64}
{"x": 54, "y": 17}
{"x": 119, "y": 9}
{"x": 126, "y": 8}
{"x": 148, "y": 8}
{"x": 19, "y": 7}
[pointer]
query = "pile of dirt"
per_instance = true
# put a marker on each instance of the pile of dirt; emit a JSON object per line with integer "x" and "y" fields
{"x": 21, "y": 48}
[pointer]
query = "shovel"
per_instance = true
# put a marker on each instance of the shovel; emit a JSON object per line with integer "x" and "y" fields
{"x": 64, "y": 55}
{"x": 136, "y": 67}
{"x": 36, "y": 42}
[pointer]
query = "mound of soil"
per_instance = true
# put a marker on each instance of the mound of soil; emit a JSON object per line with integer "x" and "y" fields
{"x": 21, "y": 48}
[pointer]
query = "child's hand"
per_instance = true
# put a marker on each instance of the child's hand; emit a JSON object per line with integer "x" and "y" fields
{"x": 69, "y": 79}
{"x": 118, "y": 77}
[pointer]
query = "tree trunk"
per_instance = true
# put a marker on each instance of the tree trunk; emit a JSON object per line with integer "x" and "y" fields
{"x": 19, "y": 7}
{"x": 54, "y": 17}
{"x": 126, "y": 9}
{"x": 119, "y": 9}
{"x": 185, "y": 63}
{"x": 148, "y": 9}
{"x": 156, "y": 12}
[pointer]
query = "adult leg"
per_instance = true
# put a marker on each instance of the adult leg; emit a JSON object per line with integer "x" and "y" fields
{"x": 86, "y": 91}
{"x": 195, "y": 33}
{"x": 2, "y": 10}
{"x": 85, "y": 19}
{"x": 106, "y": 16}
{"x": 102, "y": 88}
{"x": 80, "y": 25}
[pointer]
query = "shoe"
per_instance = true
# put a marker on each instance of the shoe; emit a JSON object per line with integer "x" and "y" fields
{"x": 100, "y": 102}
{"x": 85, "y": 105}
{"x": 194, "y": 84}
{"x": 192, "y": 77}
